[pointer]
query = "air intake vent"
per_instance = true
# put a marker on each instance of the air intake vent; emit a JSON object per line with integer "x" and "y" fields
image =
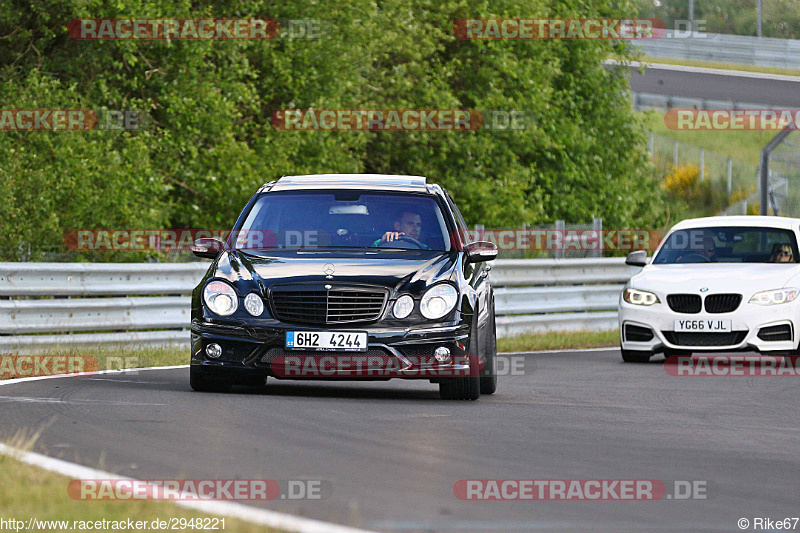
{"x": 637, "y": 333}
{"x": 685, "y": 303}
{"x": 704, "y": 339}
{"x": 722, "y": 303}
{"x": 776, "y": 333}
{"x": 325, "y": 307}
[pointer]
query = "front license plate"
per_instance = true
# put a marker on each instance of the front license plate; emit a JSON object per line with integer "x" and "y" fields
{"x": 327, "y": 341}
{"x": 704, "y": 325}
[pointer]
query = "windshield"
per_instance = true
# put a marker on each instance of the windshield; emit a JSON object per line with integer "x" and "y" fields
{"x": 346, "y": 219}
{"x": 729, "y": 245}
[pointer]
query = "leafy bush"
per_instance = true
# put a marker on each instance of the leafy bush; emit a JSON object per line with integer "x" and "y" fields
{"x": 700, "y": 197}
{"x": 212, "y": 143}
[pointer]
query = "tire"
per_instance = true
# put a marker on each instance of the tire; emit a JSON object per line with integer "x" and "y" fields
{"x": 631, "y": 356}
{"x": 489, "y": 374}
{"x": 203, "y": 383}
{"x": 468, "y": 388}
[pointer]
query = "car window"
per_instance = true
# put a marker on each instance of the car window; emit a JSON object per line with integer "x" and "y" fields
{"x": 340, "y": 219}
{"x": 729, "y": 245}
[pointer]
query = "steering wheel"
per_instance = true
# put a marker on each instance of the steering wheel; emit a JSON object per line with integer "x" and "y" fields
{"x": 415, "y": 244}
{"x": 694, "y": 255}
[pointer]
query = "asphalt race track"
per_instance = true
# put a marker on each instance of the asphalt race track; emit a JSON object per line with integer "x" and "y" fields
{"x": 689, "y": 82}
{"x": 392, "y": 451}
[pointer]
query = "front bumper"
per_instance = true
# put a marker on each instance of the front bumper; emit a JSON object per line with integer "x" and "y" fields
{"x": 748, "y": 324}
{"x": 252, "y": 353}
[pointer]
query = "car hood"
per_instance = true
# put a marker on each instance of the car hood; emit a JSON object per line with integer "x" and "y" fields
{"x": 745, "y": 279}
{"x": 411, "y": 272}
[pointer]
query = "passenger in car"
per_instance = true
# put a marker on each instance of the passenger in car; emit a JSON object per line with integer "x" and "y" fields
{"x": 781, "y": 253}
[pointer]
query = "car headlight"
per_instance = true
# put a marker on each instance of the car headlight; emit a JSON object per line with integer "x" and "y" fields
{"x": 403, "y": 306}
{"x": 221, "y": 298}
{"x": 254, "y": 304}
{"x": 776, "y": 296}
{"x": 637, "y": 297}
{"x": 438, "y": 301}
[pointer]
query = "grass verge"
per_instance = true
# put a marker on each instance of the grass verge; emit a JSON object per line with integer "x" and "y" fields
{"x": 743, "y": 146}
{"x": 723, "y": 66}
{"x": 98, "y": 359}
{"x": 68, "y": 360}
{"x": 33, "y": 492}
{"x": 558, "y": 340}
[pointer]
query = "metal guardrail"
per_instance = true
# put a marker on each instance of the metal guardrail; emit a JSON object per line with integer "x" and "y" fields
{"x": 662, "y": 101}
{"x": 538, "y": 295}
{"x": 721, "y": 48}
{"x": 47, "y": 305}
{"x": 98, "y": 279}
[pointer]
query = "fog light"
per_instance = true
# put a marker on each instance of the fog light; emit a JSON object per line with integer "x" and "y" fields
{"x": 442, "y": 354}
{"x": 214, "y": 350}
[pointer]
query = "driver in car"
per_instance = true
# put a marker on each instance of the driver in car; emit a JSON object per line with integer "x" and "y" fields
{"x": 408, "y": 224}
{"x": 707, "y": 251}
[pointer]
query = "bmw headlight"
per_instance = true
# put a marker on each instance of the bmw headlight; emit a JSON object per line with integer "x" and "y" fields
{"x": 776, "y": 296}
{"x": 254, "y": 304}
{"x": 221, "y": 298}
{"x": 637, "y": 297}
{"x": 438, "y": 301}
{"x": 403, "y": 306}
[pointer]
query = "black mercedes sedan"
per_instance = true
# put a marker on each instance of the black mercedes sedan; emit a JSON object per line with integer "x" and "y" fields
{"x": 346, "y": 276}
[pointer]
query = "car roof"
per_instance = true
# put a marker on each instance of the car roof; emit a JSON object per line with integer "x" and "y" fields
{"x": 746, "y": 221}
{"x": 380, "y": 182}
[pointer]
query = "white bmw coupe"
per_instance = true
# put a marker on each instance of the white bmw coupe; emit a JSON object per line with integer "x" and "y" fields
{"x": 715, "y": 284}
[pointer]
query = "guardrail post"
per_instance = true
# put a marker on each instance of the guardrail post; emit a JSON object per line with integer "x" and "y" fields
{"x": 764, "y": 171}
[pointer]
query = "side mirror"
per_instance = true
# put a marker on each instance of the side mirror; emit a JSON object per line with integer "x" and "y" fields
{"x": 637, "y": 259}
{"x": 480, "y": 251}
{"x": 207, "y": 247}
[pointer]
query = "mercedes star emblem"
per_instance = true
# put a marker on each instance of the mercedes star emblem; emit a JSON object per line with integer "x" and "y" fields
{"x": 329, "y": 269}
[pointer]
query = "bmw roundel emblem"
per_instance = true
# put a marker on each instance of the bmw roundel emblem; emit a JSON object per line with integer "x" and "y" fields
{"x": 704, "y": 289}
